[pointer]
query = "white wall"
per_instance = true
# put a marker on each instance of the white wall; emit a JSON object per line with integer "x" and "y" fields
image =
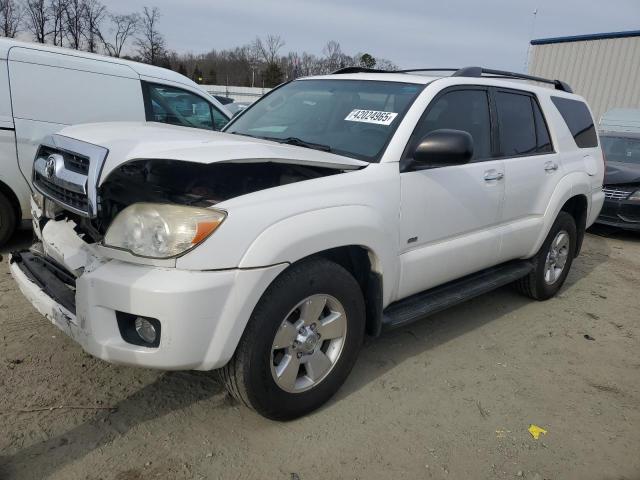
{"x": 606, "y": 72}
{"x": 239, "y": 94}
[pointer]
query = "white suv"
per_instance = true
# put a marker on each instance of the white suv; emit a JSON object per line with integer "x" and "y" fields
{"x": 336, "y": 205}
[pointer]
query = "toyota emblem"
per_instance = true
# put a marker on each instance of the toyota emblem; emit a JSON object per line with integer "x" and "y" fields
{"x": 50, "y": 166}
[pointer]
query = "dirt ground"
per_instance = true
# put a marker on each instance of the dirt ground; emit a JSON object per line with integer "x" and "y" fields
{"x": 450, "y": 397}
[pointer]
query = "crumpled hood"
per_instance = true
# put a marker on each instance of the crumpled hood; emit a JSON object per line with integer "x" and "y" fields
{"x": 147, "y": 140}
{"x": 619, "y": 173}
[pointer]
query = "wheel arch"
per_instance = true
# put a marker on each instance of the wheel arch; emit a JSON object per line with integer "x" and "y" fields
{"x": 578, "y": 207}
{"x": 13, "y": 200}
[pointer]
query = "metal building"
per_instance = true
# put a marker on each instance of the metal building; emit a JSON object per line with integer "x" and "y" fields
{"x": 604, "y": 68}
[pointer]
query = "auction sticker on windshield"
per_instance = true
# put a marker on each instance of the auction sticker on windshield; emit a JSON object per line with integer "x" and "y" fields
{"x": 371, "y": 116}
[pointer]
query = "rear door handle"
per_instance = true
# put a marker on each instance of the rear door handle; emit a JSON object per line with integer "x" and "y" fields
{"x": 493, "y": 175}
{"x": 550, "y": 167}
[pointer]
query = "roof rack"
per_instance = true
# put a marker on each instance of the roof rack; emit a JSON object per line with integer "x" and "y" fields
{"x": 475, "y": 72}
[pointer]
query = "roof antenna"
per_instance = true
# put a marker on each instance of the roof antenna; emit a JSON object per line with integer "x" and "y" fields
{"x": 527, "y": 60}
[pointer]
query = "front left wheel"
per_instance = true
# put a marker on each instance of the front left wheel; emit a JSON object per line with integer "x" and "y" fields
{"x": 301, "y": 342}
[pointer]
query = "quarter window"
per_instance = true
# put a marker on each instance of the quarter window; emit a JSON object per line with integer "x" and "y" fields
{"x": 179, "y": 107}
{"x": 466, "y": 110}
{"x": 577, "y": 117}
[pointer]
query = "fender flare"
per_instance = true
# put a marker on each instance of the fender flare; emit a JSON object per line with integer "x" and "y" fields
{"x": 571, "y": 185}
{"x": 308, "y": 233}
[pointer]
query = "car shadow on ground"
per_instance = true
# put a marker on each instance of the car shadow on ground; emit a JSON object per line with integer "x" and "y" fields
{"x": 378, "y": 356}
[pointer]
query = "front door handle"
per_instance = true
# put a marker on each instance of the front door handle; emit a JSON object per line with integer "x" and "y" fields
{"x": 493, "y": 175}
{"x": 550, "y": 167}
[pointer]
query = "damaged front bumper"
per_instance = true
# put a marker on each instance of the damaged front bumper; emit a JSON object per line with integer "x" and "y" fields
{"x": 202, "y": 313}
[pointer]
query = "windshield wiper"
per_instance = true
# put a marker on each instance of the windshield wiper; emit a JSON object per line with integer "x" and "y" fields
{"x": 298, "y": 142}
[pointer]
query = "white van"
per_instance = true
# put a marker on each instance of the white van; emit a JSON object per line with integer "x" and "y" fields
{"x": 44, "y": 88}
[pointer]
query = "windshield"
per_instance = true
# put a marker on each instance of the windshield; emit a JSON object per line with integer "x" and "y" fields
{"x": 621, "y": 149}
{"x": 356, "y": 118}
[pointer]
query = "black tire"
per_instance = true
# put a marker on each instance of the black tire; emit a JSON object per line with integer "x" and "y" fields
{"x": 248, "y": 375}
{"x": 534, "y": 285}
{"x": 8, "y": 219}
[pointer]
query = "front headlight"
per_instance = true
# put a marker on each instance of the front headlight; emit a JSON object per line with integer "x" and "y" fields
{"x": 161, "y": 231}
{"x": 635, "y": 196}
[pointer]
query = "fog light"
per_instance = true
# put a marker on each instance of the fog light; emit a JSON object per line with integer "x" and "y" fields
{"x": 146, "y": 330}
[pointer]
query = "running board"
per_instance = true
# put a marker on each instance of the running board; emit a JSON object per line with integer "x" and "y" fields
{"x": 432, "y": 301}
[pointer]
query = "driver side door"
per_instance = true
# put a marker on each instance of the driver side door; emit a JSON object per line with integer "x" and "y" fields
{"x": 450, "y": 215}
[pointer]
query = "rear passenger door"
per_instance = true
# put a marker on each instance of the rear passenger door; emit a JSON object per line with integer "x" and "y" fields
{"x": 532, "y": 169}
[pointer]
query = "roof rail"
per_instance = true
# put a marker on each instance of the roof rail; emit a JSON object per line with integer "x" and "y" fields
{"x": 466, "y": 72}
{"x": 359, "y": 70}
{"x": 479, "y": 71}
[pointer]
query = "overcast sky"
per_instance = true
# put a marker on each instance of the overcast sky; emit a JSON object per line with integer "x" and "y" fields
{"x": 411, "y": 33}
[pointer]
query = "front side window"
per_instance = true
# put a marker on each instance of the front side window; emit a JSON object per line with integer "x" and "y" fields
{"x": 355, "y": 118}
{"x": 175, "y": 106}
{"x": 577, "y": 117}
{"x": 466, "y": 110}
{"x": 621, "y": 149}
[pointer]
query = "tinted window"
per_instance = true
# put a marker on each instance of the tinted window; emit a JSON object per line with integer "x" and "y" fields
{"x": 578, "y": 119}
{"x": 356, "y": 118}
{"x": 466, "y": 110}
{"x": 517, "y": 126}
{"x": 621, "y": 149}
{"x": 178, "y": 107}
{"x": 542, "y": 132}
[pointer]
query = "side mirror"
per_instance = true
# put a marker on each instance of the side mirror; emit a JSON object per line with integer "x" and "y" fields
{"x": 444, "y": 147}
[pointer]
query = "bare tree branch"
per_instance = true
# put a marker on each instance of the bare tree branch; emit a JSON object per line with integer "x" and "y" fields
{"x": 93, "y": 13}
{"x": 150, "y": 43}
{"x": 11, "y": 14}
{"x": 74, "y": 23}
{"x": 56, "y": 11}
{"x": 122, "y": 28}
{"x": 37, "y": 19}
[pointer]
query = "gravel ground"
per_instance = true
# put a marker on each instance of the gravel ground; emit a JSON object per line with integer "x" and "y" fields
{"x": 449, "y": 397}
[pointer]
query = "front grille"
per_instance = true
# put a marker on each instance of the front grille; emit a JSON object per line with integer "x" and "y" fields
{"x": 72, "y": 161}
{"x": 67, "y": 197}
{"x": 617, "y": 193}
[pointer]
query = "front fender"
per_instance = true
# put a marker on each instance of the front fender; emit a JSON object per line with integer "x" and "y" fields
{"x": 305, "y": 234}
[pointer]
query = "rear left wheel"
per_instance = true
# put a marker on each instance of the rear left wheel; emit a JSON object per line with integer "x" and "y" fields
{"x": 301, "y": 341}
{"x": 553, "y": 261}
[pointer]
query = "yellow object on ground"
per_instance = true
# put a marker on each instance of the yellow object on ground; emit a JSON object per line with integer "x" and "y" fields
{"x": 535, "y": 431}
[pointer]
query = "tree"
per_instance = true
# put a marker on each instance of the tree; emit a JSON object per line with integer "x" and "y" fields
{"x": 74, "y": 23}
{"x": 56, "y": 11}
{"x": 122, "y": 28}
{"x": 150, "y": 43}
{"x": 10, "y": 18}
{"x": 272, "y": 75}
{"x": 93, "y": 13}
{"x": 334, "y": 58}
{"x": 367, "y": 61}
{"x": 37, "y": 19}
{"x": 197, "y": 74}
{"x": 268, "y": 49}
{"x": 213, "y": 77}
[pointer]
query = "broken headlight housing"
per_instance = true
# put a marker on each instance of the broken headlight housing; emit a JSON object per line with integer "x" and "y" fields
{"x": 155, "y": 230}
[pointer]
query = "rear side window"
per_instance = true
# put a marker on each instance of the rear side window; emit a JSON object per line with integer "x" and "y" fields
{"x": 577, "y": 117}
{"x": 466, "y": 110}
{"x": 517, "y": 125}
{"x": 175, "y": 106}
